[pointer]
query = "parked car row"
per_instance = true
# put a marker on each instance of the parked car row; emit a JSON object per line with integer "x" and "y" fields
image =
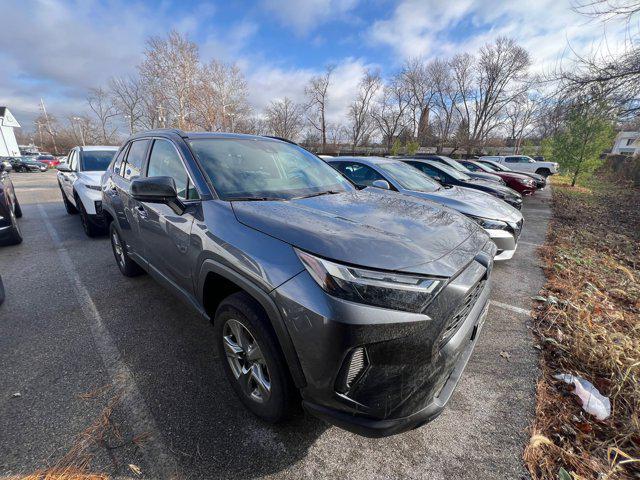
{"x": 359, "y": 284}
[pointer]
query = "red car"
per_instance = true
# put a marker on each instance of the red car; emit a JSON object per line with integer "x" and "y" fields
{"x": 518, "y": 182}
{"x": 49, "y": 160}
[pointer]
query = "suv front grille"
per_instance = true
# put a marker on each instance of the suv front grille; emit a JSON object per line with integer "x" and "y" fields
{"x": 454, "y": 323}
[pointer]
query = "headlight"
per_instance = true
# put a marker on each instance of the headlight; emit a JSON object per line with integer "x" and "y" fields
{"x": 93, "y": 187}
{"x": 396, "y": 291}
{"x": 490, "y": 224}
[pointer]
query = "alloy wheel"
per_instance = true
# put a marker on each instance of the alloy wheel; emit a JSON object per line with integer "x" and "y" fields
{"x": 246, "y": 361}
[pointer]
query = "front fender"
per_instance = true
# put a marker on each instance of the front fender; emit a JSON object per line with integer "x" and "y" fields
{"x": 263, "y": 298}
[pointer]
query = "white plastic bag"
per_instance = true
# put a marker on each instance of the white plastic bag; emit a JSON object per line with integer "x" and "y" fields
{"x": 593, "y": 401}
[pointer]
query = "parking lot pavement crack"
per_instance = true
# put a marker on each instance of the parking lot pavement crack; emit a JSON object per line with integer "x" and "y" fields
{"x": 155, "y": 452}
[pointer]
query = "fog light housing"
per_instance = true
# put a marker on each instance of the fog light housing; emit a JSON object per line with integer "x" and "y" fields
{"x": 353, "y": 368}
{"x": 98, "y": 205}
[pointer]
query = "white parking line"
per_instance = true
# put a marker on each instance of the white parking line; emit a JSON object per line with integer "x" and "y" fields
{"x": 522, "y": 242}
{"x": 155, "y": 452}
{"x": 506, "y": 306}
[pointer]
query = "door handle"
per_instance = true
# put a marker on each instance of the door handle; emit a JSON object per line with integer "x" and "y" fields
{"x": 141, "y": 211}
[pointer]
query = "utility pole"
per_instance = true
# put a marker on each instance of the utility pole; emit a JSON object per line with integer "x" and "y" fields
{"x": 50, "y": 130}
{"x": 79, "y": 120}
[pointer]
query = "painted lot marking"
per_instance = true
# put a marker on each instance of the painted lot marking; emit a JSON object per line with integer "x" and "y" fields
{"x": 512, "y": 308}
{"x": 530, "y": 243}
{"x": 155, "y": 452}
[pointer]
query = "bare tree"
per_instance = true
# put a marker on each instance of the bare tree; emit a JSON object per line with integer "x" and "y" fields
{"x": 127, "y": 96}
{"x": 170, "y": 69}
{"x": 101, "y": 105}
{"x": 359, "y": 113}
{"x": 285, "y": 118}
{"x": 487, "y": 84}
{"x": 415, "y": 80}
{"x": 317, "y": 92}
{"x": 220, "y": 98}
{"x": 520, "y": 118}
{"x": 445, "y": 100}
{"x": 389, "y": 113}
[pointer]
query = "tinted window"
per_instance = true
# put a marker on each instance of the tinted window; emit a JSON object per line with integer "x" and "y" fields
{"x": 96, "y": 160}
{"x": 135, "y": 159}
{"x": 409, "y": 177}
{"x": 426, "y": 169}
{"x": 359, "y": 174}
{"x": 164, "y": 161}
{"x": 473, "y": 167}
{"x": 117, "y": 165}
{"x": 444, "y": 170}
{"x": 250, "y": 168}
{"x": 513, "y": 159}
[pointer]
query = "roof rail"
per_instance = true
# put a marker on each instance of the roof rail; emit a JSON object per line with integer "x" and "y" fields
{"x": 281, "y": 139}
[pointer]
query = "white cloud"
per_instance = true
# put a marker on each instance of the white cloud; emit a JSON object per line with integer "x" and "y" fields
{"x": 304, "y": 16}
{"x": 419, "y": 28}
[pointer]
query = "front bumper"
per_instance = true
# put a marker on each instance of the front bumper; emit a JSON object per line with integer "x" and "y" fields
{"x": 506, "y": 243}
{"x": 414, "y": 360}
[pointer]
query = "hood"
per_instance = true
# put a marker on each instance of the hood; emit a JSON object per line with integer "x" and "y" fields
{"x": 517, "y": 175}
{"x": 472, "y": 202}
{"x": 371, "y": 228}
{"x": 91, "y": 178}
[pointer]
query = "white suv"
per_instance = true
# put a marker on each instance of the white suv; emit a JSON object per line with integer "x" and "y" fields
{"x": 79, "y": 180}
{"x": 522, "y": 163}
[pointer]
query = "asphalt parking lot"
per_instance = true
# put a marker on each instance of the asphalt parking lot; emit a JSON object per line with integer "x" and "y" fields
{"x": 74, "y": 333}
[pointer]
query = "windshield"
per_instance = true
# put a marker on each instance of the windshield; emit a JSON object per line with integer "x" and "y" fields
{"x": 486, "y": 168}
{"x": 261, "y": 169}
{"x": 453, "y": 172}
{"x": 499, "y": 167}
{"x": 96, "y": 160}
{"x": 455, "y": 165}
{"x": 409, "y": 177}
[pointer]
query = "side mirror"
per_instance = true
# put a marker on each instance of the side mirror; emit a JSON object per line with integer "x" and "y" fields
{"x": 157, "y": 190}
{"x": 63, "y": 167}
{"x": 381, "y": 184}
{"x": 5, "y": 167}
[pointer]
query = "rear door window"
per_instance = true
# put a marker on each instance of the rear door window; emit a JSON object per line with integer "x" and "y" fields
{"x": 135, "y": 159}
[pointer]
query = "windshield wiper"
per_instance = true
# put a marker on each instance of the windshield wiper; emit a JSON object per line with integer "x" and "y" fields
{"x": 317, "y": 194}
{"x": 254, "y": 199}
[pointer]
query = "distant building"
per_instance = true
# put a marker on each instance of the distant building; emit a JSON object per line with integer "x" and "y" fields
{"x": 8, "y": 144}
{"x": 627, "y": 143}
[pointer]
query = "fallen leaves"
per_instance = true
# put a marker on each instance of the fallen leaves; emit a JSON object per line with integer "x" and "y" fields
{"x": 588, "y": 324}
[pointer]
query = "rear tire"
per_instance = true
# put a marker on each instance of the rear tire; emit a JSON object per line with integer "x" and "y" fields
{"x": 252, "y": 359}
{"x": 14, "y": 236}
{"x": 127, "y": 266}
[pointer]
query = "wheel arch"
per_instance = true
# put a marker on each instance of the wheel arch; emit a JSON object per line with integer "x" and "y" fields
{"x": 229, "y": 281}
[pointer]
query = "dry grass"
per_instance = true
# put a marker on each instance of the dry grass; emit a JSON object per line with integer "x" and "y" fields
{"x": 103, "y": 434}
{"x": 590, "y": 326}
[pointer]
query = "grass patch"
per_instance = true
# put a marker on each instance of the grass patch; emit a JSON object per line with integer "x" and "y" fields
{"x": 589, "y": 326}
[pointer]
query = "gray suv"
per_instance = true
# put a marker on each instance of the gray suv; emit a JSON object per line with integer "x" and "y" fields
{"x": 364, "y": 302}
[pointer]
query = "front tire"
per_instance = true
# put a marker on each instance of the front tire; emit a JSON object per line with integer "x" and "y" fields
{"x": 127, "y": 266}
{"x": 89, "y": 227}
{"x": 16, "y": 208}
{"x": 252, "y": 359}
{"x": 545, "y": 172}
{"x": 71, "y": 210}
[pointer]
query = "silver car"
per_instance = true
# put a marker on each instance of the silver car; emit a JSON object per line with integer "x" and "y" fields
{"x": 500, "y": 220}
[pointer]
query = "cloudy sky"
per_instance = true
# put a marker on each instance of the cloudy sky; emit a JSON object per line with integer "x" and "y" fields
{"x": 57, "y": 49}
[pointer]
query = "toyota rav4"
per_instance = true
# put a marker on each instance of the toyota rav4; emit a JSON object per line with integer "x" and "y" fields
{"x": 364, "y": 302}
